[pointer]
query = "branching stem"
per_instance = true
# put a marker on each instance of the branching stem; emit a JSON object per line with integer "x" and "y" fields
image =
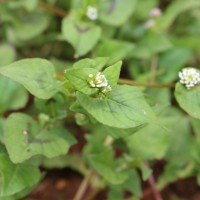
{"x": 83, "y": 187}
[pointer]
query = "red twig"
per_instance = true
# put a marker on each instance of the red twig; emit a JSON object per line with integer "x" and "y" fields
{"x": 152, "y": 184}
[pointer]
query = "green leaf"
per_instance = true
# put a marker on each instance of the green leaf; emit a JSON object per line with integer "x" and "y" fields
{"x": 2, "y": 123}
{"x": 16, "y": 177}
{"x": 151, "y": 142}
{"x": 143, "y": 9}
{"x": 132, "y": 184}
{"x": 119, "y": 132}
{"x": 151, "y": 44}
{"x": 171, "y": 62}
{"x": 97, "y": 63}
{"x": 103, "y": 163}
{"x": 7, "y": 54}
{"x": 146, "y": 171}
{"x": 78, "y": 77}
{"x": 14, "y": 95}
{"x": 112, "y": 73}
{"x": 27, "y": 27}
{"x": 81, "y": 35}
{"x": 116, "y": 12}
{"x": 30, "y": 5}
{"x": 79, "y": 74}
{"x": 174, "y": 10}
{"x": 116, "y": 49}
{"x": 180, "y": 140}
{"x": 54, "y": 107}
{"x": 124, "y": 107}
{"x": 74, "y": 161}
{"x": 36, "y": 75}
{"x": 24, "y": 139}
{"x": 189, "y": 100}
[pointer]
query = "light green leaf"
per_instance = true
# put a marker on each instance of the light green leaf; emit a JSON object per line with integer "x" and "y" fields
{"x": 36, "y": 75}
{"x": 29, "y": 26}
{"x": 14, "y": 95}
{"x": 97, "y": 63}
{"x": 7, "y": 54}
{"x": 189, "y": 100}
{"x": 81, "y": 35}
{"x": 78, "y": 77}
{"x": 171, "y": 62}
{"x": 30, "y": 5}
{"x": 174, "y": 10}
{"x": 103, "y": 163}
{"x": 16, "y": 177}
{"x": 151, "y": 44}
{"x": 116, "y": 12}
{"x": 132, "y": 184}
{"x": 112, "y": 73}
{"x": 121, "y": 133}
{"x": 144, "y": 7}
{"x": 124, "y": 107}
{"x": 154, "y": 142}
{"x": 24, "y": 139}
{"x": 74, "y": 161}
{"x": 151, "y": 142}
{"x": 54, "y": 107}
{"x": 79, "y": 74}
{"x": 2, "y": 122}
{"x": 116, "y": 49}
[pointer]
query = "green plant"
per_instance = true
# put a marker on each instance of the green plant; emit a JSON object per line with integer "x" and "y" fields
{"x": 138, "y": 118}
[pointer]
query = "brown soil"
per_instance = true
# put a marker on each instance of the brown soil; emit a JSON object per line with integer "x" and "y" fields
{"x": 63, "y": 184}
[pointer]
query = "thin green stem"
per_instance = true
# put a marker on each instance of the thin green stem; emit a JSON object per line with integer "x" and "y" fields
{"x": 156, "y": 85}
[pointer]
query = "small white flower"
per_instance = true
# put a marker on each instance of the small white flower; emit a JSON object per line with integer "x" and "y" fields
{"x": 189, "y": 77}
{"x": 150, "y": 23}
{"x": 155, "y": 12}
{"x": 92, "y": 12}
{"x": 90, "y": 75}
{"x": 99, "y": 80}
{"x": 106, "y": 89}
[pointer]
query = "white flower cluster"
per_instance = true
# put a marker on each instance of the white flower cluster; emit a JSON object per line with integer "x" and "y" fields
{"x": 189, "y": 77}
{"x": 99, "y": 81}
{"x": 92, "y": 13}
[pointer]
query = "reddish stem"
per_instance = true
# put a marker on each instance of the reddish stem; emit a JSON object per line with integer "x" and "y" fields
{"x": 152, "y": 184}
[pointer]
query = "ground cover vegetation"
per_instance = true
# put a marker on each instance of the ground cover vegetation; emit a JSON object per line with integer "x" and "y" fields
{"x": 106, "y": 88}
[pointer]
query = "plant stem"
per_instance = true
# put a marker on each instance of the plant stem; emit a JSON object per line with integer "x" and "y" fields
{"x": 93, "y": 194}
{"x": 152, "y": 184}
{"x": 83, "y": 187}
{"x": 156, "y": 85}
{"x": 130, "y": 82}
{"x": 151, "y": 181}
{"x": 52, "y": 9}
{"x": 154, "y": 63}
